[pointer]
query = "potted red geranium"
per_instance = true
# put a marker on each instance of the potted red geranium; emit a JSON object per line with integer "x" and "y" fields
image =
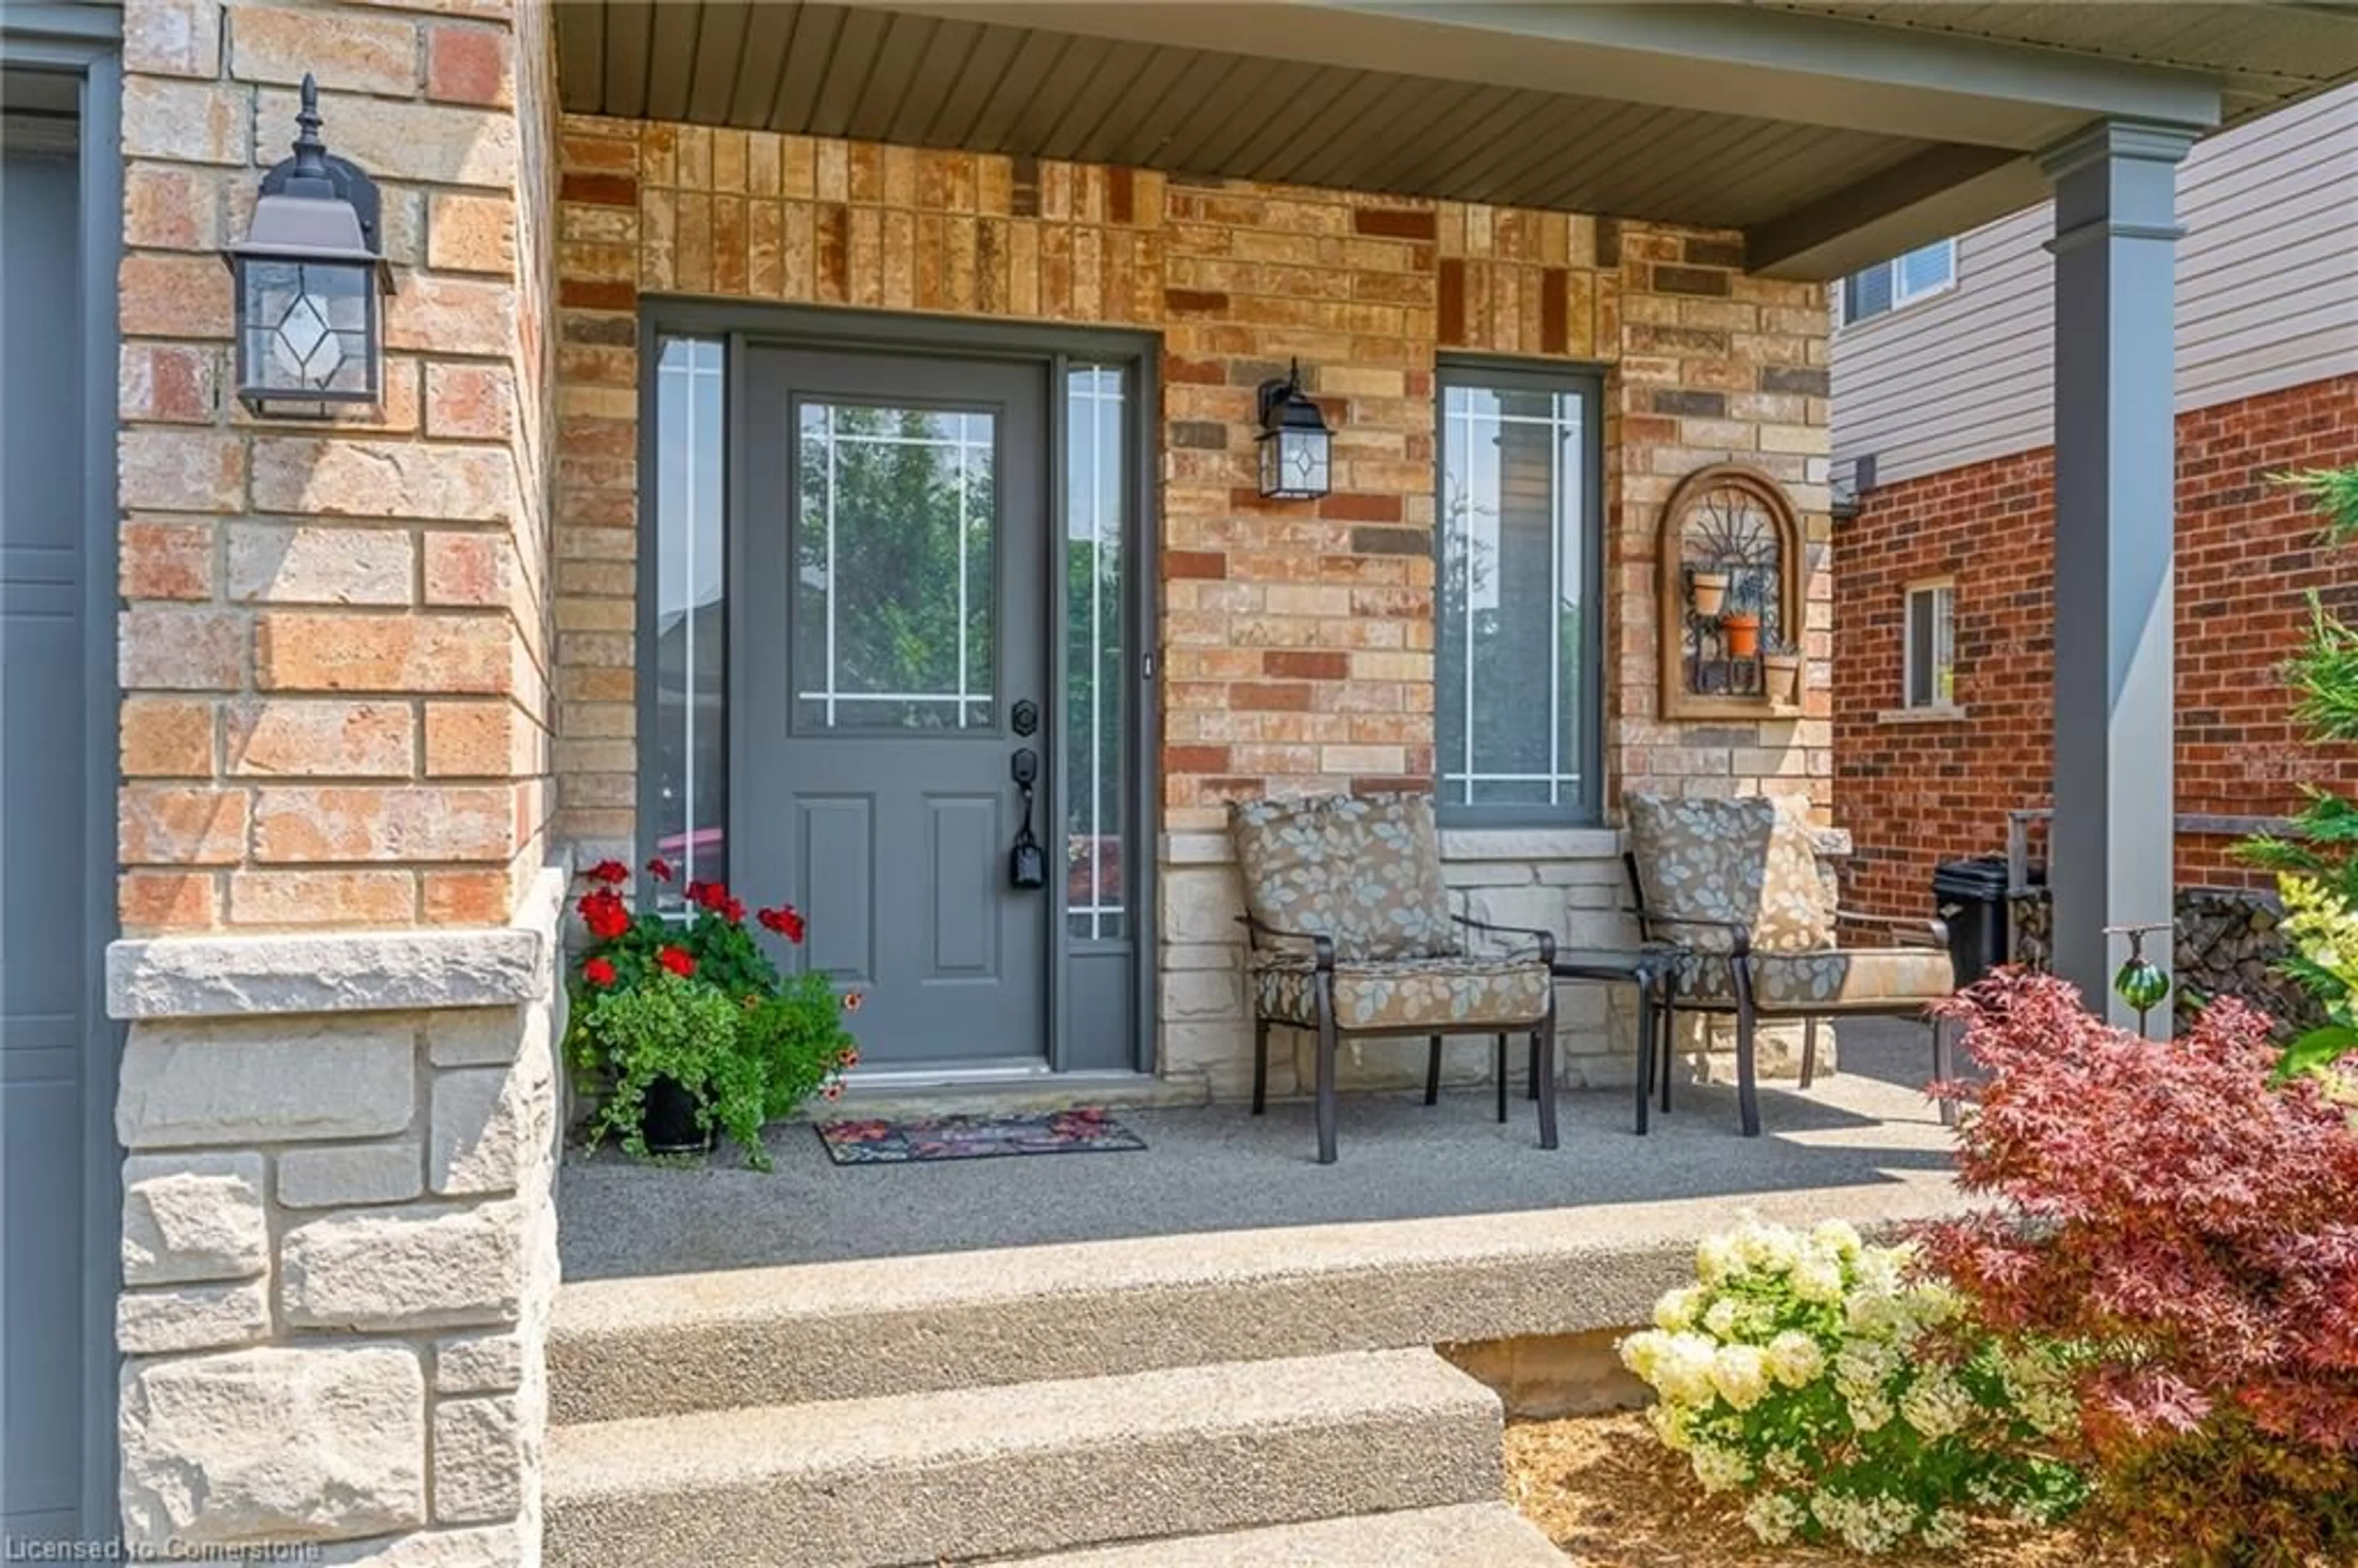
{"x": 688, "y": 1025}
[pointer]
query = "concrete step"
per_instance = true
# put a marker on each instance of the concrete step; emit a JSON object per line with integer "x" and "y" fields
{"x": 1470, "y": 1535}
{"x": 1038, "y": 1467}
{"x": 677, "y": 1344}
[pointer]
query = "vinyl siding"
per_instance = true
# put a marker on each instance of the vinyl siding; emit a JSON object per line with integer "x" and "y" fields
{"x": 2268, "y": 298}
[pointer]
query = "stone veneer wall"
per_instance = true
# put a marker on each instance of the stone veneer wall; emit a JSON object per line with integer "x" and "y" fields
{"x": 1296, "y": 639}
{"x": 338, "y": 1242}
{"x": 338, "y": 1239}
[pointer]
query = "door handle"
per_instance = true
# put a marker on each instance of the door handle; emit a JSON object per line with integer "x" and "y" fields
{"x": 1027, "y": 863}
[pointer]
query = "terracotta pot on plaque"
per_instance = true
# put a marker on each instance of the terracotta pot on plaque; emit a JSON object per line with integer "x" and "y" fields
{"x": 1781, "y": 678}
{"x": 1742, "y": 629}
{"x": 1709, "y": 589}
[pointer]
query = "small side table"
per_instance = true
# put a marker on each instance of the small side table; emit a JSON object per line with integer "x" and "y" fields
{"x": 1651, "y": 969}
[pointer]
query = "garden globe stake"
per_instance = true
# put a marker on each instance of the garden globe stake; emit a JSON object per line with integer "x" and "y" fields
{"x": 2140, "y": 981}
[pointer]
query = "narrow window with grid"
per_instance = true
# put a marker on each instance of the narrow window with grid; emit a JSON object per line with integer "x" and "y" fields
{"x": 1517, "y": 546}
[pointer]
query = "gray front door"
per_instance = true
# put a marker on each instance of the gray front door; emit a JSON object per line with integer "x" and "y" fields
{"x": 894, "y": 529}
{"x": 43, "y": 967}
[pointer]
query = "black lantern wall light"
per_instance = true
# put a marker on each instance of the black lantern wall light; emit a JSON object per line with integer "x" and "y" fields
{"x": 308, "y": 276}
{"x": 1296, "y": 459}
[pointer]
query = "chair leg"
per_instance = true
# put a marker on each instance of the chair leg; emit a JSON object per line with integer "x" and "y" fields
{"x": 1326, "y": 1043}
{"x": 1808, "y": 1051}
{"x": 1502, "y": 1076}
{"x": 1260, "y": 1065}
{"x": 1432, "y": 1069}
{"x": 1748, "y": 1072}
{"x": 1531, "y": 1084}
{"x": 1543, "y": 1072}
{"x": 1943, "y": 1068}
{"x": 1645, "y": 1042}
{"x": 1670, "y": 1046}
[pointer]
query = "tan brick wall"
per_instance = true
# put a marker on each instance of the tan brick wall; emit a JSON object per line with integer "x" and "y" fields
{"x": 1297, "y": 639}
{"x": 334, "y": 644}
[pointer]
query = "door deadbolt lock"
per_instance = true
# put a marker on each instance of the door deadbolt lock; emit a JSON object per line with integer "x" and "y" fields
{"x": 1024, "y": 716}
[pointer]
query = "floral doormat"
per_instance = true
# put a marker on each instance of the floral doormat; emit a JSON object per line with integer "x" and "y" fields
{"x": 901, "y": 1141}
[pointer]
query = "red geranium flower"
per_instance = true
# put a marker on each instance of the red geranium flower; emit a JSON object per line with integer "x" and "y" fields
{"x": 598, "y": 972}
{"x": 605, "y": 914}
{"x": 733, "y": 911}
{"x": 785, "y": 920}
{"x": 659, "y": 869}
{"x": 609, "y": 872}
{"x": 676, "y": 960}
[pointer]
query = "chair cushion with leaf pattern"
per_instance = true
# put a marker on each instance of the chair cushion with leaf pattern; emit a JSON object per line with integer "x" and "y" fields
{"x": 1439, "y": 994}
{"x": 1363, "y": 869}
{"x": 1828, "y": 981}
{"x": 1750, "y": 859}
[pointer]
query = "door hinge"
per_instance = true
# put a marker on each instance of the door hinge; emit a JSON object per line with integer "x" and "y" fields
{"x": 1146, "y": 667}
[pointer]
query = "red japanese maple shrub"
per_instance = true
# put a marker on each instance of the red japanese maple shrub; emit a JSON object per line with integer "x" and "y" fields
{"x": 2195, "y": 1230}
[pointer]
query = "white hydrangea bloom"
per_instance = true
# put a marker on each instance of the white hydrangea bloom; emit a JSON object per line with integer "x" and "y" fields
{"x": 1870, "y": 1412}
{"x": 1717, "y": 1468}
{"x": 1724, "y": 1318}
{"x": 1818, "y": 1278}
{"x": 1642, "y": 1352}
{"x": 1740, "y": 1373}
{"x": 1795, "y": 1359}
{"x": 1766, "y": 1249}
{"x": 1775, "y": 1518}
{"x": 1669, "y": 1422}
{"x": 1677, "y": 1309}
{"x": 1717, "y": 1259}
{"x": 1683, "y": 1370}
{"x": 1945, "y": 1530}
{"x": 1936, "y": 1405}
{"x": 1838, "y": 1236}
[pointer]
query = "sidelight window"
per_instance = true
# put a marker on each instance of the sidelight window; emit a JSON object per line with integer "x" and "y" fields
{"x": 1097, "y": 491}
{"x": 691, "y": 785}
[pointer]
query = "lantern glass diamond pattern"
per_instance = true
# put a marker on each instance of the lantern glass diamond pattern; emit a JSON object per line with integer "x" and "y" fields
{"x": 308, "y": 276}
{"x": 1294, "y": 442}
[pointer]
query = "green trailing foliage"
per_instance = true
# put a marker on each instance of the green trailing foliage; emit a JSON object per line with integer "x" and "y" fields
{"x": 2316, "y": 861}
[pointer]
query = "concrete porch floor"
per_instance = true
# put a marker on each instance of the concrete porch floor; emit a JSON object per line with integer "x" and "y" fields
{"x": 1864, "y": 1144}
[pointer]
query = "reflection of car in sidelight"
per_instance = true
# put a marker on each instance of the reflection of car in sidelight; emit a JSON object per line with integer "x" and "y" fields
{"x": 1093, "y": 879}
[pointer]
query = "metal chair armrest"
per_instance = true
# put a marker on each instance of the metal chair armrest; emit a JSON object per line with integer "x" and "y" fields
{"x": 1543, "y": 936}
{"x": 1322, "y": 946}
{"x": 1742, "y": 934}
{"x": 1923, "y": 931}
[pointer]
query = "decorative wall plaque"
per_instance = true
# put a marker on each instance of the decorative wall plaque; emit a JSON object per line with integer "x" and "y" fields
{"x": 1730, "y": 555}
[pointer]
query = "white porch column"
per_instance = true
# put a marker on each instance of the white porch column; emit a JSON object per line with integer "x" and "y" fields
{"x": 2110, "y": 848}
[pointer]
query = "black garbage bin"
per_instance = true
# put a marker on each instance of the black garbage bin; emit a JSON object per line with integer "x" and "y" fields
{"x": 1970, "y": 895}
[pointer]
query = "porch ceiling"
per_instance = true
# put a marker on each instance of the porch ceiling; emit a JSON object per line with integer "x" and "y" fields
{"x": 1833, "y": 135}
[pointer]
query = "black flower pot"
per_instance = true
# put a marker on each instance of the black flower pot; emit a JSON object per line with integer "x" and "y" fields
{"x": 668, "y": 1119}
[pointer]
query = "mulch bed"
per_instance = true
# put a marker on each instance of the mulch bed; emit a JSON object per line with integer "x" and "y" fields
{"x": 1611, "y": 1497}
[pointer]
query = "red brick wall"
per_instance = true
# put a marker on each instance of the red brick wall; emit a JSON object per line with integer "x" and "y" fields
{"x": 1918, "y": 792}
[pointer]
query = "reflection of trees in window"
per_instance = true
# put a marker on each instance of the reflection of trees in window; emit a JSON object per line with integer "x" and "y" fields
{"x": 895, "y": 555}
{"x": 1508, "y": 656}
{"x": 1093, "y": 740}
{"x": 1096, "y": 696}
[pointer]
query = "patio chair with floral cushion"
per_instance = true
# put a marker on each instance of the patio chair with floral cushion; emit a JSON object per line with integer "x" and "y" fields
{"x": 1740, "y": 883}
{"x": 1350, "y": 935}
